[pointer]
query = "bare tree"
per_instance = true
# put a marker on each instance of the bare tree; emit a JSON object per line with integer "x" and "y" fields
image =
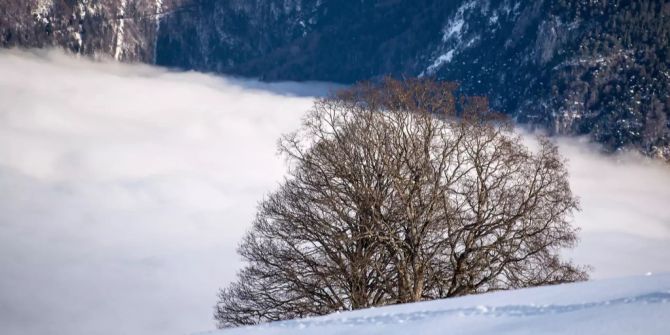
{"x": 399, "y": 192}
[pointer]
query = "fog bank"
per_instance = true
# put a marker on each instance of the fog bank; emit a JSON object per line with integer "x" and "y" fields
{"x": 126, "y": 189}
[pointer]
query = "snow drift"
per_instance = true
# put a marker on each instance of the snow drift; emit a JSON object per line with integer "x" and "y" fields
{"x": 637, "y": 305}
{"x": 125, "y": 190}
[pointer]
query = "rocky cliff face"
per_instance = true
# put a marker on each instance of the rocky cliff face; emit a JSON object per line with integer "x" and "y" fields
{"x": 227, "y": 36}
{"x": 599, "y": 67}
{"x": 125, "y": 30}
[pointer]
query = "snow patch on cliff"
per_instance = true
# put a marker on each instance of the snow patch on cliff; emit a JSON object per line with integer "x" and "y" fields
{"x": 452, "y": 39}
{"x": 118, "y": 50}
{"x": 41, "y": 10}
{"x": 455, "y": 25}
{"x": 158, "y": 12}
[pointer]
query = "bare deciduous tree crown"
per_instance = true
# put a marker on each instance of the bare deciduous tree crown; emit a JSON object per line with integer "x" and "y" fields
{"x": 401, "y": 192}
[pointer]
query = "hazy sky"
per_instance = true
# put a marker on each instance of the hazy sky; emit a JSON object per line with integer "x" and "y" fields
{"x": 124, "y": 191}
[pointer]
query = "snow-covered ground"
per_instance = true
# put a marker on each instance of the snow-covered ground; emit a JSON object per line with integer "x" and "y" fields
{"x": 125, "y": 189}
{"x": 635, "y": 305}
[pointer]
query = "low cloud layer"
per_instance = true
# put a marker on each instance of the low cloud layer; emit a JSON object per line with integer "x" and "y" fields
{"x": 126, "y": 189}
{"x": 625, "y": 217}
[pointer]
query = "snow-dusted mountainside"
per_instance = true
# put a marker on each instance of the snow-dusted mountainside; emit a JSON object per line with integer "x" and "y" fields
{"x": 125, "y": 30}
{"x": 574, "y": 67}
{"x": 637, "y": 305}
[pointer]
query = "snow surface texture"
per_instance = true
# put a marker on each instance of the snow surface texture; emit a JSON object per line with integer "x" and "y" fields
{"x": 636, "y": 305}
{"x": 126, "y": 189}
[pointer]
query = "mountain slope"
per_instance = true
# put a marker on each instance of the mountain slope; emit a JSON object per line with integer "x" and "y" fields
{"x": 599, "y": 67}
{"x": 638, "y": 305}
{"x": 125, "y": 30}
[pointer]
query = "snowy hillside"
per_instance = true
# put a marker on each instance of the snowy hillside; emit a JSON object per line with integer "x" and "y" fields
{"x": 635, "y": 305}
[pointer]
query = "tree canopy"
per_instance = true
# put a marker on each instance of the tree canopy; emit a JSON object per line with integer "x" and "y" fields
{"x": 400, "y": 192}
